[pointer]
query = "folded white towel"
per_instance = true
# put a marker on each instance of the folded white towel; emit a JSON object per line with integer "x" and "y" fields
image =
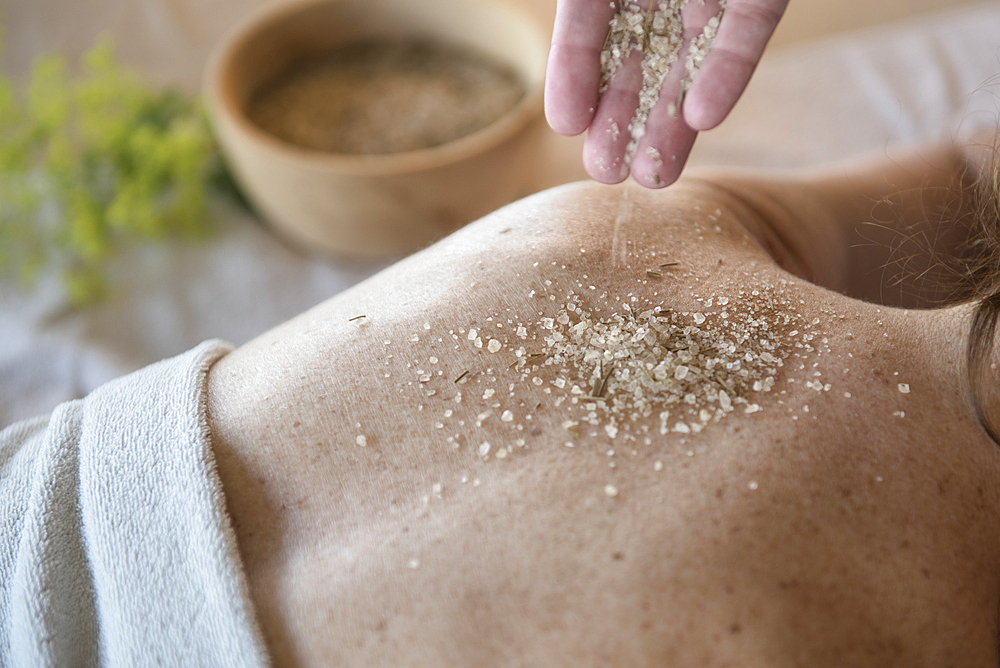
{"x": 115, "y": 545}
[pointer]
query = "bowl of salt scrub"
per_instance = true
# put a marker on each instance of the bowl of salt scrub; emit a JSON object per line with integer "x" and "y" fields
{"x": 371, "y": 128}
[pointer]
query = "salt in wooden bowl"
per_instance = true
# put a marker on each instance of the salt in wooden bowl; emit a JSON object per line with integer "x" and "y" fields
{"x": 377, "y": 205}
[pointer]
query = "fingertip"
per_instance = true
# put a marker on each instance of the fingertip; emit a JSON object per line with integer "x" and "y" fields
{"x": 604, "y": 149}
{"x": 700, "y": 113}
{"x": 606, "y": 174}
{"x": 604, "y": 168}
{"x": 570, "y": 94}
{"x": 653, "y": 180}
{"x": 651, "y": 171}
{"x": 566, "y": 121}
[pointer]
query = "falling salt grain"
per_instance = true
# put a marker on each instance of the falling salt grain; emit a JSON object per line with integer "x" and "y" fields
{"x": 361, "y": 440}
{"x": 414, "y": 563}
{"x": 507, "y": 416}
{"x": 611, "y": 491}
{"x": 753, "y": 484}
{"x": 658, "y": 466}
{"x": 484, "y": 449}
{"x": 904, "y": 388}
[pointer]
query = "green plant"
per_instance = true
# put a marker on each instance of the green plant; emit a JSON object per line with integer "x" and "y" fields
{"x": 92, "y": 163}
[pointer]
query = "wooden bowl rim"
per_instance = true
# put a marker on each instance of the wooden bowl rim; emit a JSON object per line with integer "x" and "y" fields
{"x": 221, "y": 104}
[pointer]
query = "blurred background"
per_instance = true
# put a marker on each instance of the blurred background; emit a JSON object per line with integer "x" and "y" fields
{"x": 170, "y": 40}
{"x": 841, "y": 79}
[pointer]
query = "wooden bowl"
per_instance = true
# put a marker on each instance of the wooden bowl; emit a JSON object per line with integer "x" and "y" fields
{"x": 376, "y": 205}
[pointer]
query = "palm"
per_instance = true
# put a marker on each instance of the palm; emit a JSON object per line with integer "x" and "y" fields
{"x": 573, "y": 102}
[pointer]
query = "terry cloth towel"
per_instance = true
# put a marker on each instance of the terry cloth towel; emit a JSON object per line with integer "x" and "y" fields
{"x": 116, "y": 546}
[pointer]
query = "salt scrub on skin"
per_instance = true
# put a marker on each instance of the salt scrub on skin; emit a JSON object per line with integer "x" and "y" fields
{"x": 646, "y": 369}
{"x": 658, "y": 32}
{"x": 630, "y": 370}
{"x": 687, "y": 370}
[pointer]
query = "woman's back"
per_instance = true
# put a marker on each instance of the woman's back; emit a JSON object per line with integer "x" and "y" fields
{"x": 407, "y": 492}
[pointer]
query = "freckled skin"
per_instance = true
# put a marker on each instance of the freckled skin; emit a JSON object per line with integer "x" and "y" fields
{"x": 870, "y": 539}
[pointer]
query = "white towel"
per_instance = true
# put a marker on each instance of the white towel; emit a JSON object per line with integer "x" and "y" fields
{"x": 115, "y": 545}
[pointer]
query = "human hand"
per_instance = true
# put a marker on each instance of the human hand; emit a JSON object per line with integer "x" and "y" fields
{"x": 654, "y": 152}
